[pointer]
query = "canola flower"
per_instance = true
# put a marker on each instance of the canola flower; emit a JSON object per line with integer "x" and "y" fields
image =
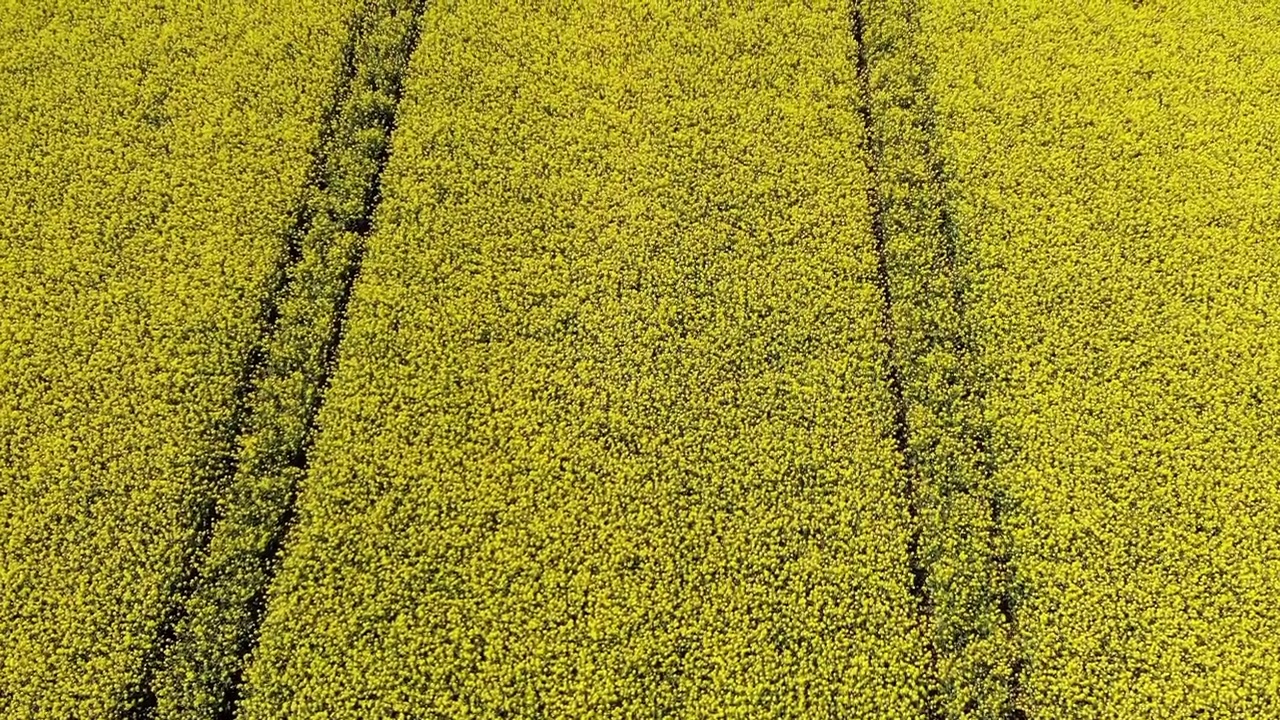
{"x": 609, "y": 434}
{"x": 1114, "y": 173}
{"x": 880, "y": 358}
{"x": 150, "y": 158}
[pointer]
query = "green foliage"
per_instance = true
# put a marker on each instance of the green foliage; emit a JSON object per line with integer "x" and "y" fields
{"x": 220, "y": 617}
{"x": 1115, "y": 173}
{"x": 149, "y": 156}
{"x": 609, "y": 435}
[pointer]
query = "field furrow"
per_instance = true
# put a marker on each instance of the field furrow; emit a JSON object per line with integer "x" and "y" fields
{"x": 960, "y": 548}
{"x": 203, "y": 665}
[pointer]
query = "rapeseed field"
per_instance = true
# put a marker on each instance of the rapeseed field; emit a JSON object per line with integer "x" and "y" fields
{"x": 639, "y": 359}
{"x": 607, "y": 434}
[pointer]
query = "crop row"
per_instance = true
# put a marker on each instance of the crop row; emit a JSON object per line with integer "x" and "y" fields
{"x": 609, "y": 433}
{"x": 219, "y": 618}
{"x": 149, "y": 157}
{"x": 961, "y": 549}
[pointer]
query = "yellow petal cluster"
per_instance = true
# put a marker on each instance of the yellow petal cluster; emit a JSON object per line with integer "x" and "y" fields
{"x": 609, "y": 434}
{"x": 150, "y": 156}
{"x": 1115, "y": 171}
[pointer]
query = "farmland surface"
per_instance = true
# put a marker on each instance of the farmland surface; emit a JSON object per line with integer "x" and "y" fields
{"x": 619, "y": 358}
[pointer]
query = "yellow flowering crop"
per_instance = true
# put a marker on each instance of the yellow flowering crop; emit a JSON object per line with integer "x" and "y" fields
{"x": 1114, "y": 168}
{"x": 150, "y": 156}
{"x": 725, "y": 359}
{"x": 608, "y": 435}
